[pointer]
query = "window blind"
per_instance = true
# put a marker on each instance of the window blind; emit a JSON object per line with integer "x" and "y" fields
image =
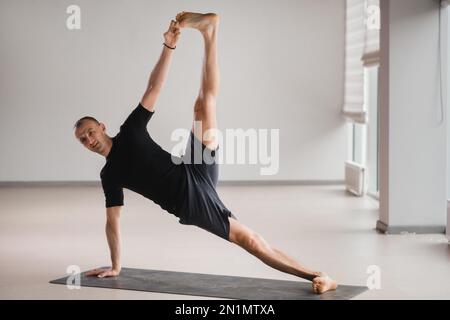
{"x": 353, "y": 108}
{"x": 371, "y": 54}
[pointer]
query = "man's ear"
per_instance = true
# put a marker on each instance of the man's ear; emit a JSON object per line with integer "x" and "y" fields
{"x": 103, "y": 127}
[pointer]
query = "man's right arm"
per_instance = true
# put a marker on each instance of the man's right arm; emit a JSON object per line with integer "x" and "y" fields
{"x": 113, "y": 235}
{"x": 114, "y": 242}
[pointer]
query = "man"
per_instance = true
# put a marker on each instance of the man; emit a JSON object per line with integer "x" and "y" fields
{"x": 186, "y": 189}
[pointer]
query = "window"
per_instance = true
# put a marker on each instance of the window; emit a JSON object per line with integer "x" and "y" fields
{"x": 364, "y": 137}
{"x": 372, "y": 130}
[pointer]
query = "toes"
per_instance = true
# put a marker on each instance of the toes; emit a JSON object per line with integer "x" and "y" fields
{"x": 319, "y": 285}
{"x": 179, "y": 15}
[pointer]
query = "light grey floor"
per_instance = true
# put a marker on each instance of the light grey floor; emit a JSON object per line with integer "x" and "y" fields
{"x": 44, "y": 230}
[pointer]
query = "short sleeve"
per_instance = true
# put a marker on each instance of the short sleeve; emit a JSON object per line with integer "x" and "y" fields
{"x": 113, "y": 194}
{"x": 138, "y": 119}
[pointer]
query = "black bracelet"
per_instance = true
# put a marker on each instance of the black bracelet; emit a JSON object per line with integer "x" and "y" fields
{"x": 168, "y": 46}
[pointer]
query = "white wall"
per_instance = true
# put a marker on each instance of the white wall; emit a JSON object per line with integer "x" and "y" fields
{"x": 446, "y": 59}
{"x": 281, "y": 67}
{"x": 415, "y": 173}
{"x": 446, "y": 56}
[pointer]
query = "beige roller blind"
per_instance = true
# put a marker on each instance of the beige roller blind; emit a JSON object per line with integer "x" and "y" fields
{"x": 371, "y": 54}
{"x": 353, "y": 108}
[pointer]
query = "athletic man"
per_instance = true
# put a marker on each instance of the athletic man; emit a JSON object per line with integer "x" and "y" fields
{"x": 184, "y": 187}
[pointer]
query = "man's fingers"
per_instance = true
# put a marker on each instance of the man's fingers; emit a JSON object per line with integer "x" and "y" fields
{"x": 101, "y": 273}
{"x": 108, "y": 273}
{"x": 94, "y": 272}
{"x": 171, "y": 25}
{"x": 104, "y": 274}
{"x": 89, "y": 273}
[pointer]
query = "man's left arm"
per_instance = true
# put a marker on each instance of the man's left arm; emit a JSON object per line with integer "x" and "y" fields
{"x": 159, "y": 74}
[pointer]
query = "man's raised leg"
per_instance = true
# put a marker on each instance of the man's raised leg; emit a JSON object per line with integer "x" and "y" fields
{"x": 205, "y": 104}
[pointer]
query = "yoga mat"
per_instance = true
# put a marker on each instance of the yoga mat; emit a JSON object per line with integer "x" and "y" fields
{"x": 210, "y": 285}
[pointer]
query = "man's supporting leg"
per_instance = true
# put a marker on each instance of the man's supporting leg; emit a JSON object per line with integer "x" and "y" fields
{"x": 257, "y": 246}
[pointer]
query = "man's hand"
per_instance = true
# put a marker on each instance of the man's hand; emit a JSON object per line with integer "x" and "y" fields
{"x": 172, "y": 35}
{"x": 101, "y": 273}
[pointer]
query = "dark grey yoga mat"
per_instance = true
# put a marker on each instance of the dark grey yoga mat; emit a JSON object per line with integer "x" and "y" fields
{"x": 209, "y": 285}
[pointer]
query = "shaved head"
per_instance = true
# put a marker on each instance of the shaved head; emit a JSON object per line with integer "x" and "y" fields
{"x": 81, "y": 120}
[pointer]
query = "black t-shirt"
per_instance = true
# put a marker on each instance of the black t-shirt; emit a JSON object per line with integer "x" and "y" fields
{"x": 138, "y": 163}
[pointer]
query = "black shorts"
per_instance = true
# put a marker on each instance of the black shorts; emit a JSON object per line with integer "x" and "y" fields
{"x": 203, "y": 207}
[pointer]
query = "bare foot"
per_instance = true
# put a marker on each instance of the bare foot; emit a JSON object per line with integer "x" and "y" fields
{"x": 202, "y": 22}
{"x": 323, "y": 284}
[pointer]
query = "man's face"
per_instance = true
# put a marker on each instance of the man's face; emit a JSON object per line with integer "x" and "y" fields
{"x": 92, "y": 135}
